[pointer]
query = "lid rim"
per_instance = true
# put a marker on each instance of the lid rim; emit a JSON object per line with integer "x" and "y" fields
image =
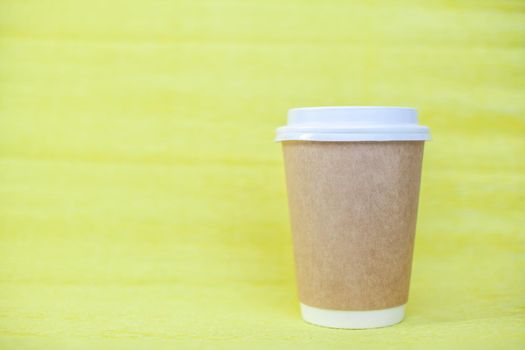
{"x": 348, "y": 129}
{"x": 334, "y": 137}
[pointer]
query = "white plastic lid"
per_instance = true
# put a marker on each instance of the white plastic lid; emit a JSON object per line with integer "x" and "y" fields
{"x": 353, "y": 124}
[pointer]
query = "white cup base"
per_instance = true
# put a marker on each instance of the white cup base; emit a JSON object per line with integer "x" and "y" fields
{"x": 353, "y": 319}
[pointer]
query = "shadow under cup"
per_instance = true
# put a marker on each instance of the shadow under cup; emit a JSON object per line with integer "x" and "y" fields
{"x": 353, "y": 176}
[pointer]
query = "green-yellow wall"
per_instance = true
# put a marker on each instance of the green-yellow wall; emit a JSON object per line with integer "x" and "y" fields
{"x": 142, "y": 199}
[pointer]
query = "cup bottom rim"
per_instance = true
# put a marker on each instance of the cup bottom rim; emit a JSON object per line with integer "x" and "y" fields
{"x": 352, "y": 319}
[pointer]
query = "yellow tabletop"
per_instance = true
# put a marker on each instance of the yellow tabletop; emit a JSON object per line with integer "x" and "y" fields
{"x": 142, "y": 200}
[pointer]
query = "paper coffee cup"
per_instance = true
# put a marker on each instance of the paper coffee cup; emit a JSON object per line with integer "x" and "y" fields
{"x": 353, "y": 176}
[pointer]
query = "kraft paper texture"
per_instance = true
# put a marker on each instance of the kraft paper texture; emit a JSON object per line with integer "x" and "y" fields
{"x": 353, "y": 208}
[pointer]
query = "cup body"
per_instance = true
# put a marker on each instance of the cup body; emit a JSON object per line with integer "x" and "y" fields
{"x": 353, "y": 209}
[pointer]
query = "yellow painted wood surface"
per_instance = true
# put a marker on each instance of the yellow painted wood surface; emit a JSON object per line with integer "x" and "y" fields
{"x": 142, "y": 200}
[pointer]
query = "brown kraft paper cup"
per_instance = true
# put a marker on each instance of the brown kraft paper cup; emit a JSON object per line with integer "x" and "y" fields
{"x": 353, "y": 208}
{"x": 353, "y": 176}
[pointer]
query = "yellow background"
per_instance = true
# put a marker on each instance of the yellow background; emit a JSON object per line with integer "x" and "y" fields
{"x": 142, "y": 200}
